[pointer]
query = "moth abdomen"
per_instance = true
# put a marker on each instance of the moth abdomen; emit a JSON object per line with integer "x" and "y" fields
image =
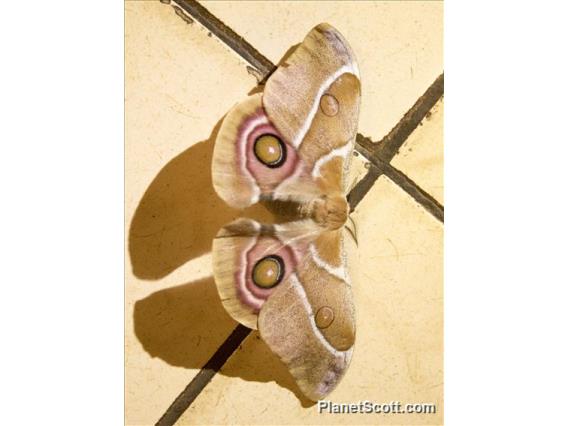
{"x": 328, "y": 211}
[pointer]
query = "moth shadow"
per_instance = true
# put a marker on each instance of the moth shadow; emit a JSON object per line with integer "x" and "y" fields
{"x": 180, "y": 214}
{"x": 176, "y": 221}
{"x": 185, "y": 325}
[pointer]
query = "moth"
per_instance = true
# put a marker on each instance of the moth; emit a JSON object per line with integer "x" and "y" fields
{"x": 290, "y": 148}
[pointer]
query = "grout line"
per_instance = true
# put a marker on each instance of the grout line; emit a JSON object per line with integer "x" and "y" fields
{"x": 388, "y": 146}
{"x": 363, "y": 186}
{"x": 227, "y": 36}
{"x": 428, "y": 202}
{"x": 194, "y": 388}
{"x": 381, "y": 153}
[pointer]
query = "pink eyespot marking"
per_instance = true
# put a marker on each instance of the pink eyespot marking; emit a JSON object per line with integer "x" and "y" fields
{"x": 254, "y": 294}
{"x": 263, "y": 153}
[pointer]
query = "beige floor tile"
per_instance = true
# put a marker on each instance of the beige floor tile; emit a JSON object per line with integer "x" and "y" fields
{"x": 398, "y": 45}
{"x": 397, "y": 274}
{"x": 421, "y": 157}
{"x": 179, "y": 84}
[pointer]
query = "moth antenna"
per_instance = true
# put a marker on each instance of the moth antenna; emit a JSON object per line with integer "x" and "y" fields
{"x": 353, "y": 232}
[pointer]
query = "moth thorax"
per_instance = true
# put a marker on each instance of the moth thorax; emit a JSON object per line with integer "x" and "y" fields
{"x": 330, "y": 211}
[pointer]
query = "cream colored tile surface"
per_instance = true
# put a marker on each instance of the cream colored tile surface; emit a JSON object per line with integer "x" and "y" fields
{"x": 398, "y": 45}
{"x": 397, "y": 274}
{"x": 179, "y": 84}
{"x": 421, "y": 157}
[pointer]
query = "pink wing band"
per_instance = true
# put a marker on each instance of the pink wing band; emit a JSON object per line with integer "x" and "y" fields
{"x": 266, "y": 178}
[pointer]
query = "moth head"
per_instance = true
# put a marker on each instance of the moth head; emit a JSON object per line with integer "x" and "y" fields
{"x": 331, "y": 211}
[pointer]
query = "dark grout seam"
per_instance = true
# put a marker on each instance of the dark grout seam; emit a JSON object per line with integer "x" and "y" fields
{"x": 363, "y": 186}
{"x": 428, "y": 202}
{"x": 227, "y": 36}
{"x": 388, "y": 146}
{"x": 379, "y": 168}
{"x": 194, "y": 388}
{"x": 379, "y": 154}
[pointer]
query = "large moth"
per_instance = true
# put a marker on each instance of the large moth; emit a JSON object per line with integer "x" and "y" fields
{"x": 290, "y": 147}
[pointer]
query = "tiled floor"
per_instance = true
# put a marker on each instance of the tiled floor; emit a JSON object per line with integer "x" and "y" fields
{"x": 421, "y": 157}
{"x": 180, "y": 81}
